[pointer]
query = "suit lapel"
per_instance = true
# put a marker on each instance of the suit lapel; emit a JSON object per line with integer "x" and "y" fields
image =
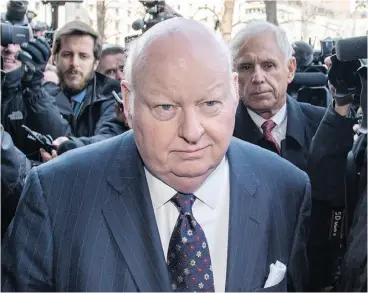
{"x": 294, "y": 148}
{"x": 130, "y": 217}
{"x": 245, "y": 128}
{"x": 244, "y": 241}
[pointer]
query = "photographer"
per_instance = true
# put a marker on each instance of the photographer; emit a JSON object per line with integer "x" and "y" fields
{"x": 331, "y": 216}
{"x": 24, "y": 100}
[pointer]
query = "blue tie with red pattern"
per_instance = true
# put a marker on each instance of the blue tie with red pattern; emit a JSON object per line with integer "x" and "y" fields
{"x": 188, "y": 257}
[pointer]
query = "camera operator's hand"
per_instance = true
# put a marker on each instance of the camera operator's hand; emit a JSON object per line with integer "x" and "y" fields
{"x": 57, "y": 142}
{"x": 34, "y": 56}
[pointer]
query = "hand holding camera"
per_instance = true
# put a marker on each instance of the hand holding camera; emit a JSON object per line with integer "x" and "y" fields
{"x": 34, "y": 56}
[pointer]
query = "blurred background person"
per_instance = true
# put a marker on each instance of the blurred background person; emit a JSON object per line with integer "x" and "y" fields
{"x": 112, "y": 61}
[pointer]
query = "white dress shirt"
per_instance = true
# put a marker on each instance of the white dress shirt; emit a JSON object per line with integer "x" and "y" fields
{"x": 211, "y": 210}
{"x": 280, "y": 118}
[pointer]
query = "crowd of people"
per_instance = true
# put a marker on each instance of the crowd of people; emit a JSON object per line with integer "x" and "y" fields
{"x": 177, "y": 164}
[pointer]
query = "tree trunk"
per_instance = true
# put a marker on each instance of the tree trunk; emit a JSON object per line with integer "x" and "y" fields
{"x": 271, "y": 11}
{"x": 227, "y": 20}
{"x": 101, "y": 14}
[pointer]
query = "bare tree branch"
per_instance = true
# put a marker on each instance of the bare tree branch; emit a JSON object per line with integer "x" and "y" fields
{"x": 206, "y": 8}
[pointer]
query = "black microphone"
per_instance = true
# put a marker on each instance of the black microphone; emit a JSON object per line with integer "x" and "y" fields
{"x": 138, "y": 24}
{"x": 310, "y": 79}
{"x": 352, "y": 49}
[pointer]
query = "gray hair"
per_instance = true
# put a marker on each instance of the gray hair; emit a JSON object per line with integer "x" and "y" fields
{"x": 257, "y": 27}
{"x": 137, "y": 58}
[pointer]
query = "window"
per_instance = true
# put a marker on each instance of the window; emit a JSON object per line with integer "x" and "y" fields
{"x": 129, "y": 13}
{"x": 117, "y": 40}
{"x": 117, "y": 24}
{"x": 37, "y": 6}
{"x": 117, "y": 11}
{"x": 78, "y": 6}
{"x": 179, "y": 7}
{"x": 90, "y": 8}
{"x": 205, "y": 5}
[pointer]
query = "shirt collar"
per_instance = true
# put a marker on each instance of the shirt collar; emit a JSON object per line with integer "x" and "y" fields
{"x": 208, "y": 192}
{"x": 79, "y": 97}
{"x": 278, "y": 118}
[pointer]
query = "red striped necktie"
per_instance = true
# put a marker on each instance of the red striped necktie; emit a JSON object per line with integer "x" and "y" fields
{"x": 267, "y": 127}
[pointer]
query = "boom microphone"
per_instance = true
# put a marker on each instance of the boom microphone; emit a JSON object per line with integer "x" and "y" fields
{"x": 310, "y": 79}
{"x": 352, "y": 49}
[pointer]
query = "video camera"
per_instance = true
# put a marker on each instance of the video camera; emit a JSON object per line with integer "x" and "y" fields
{"x": 348, "y": 74}
{"x": 327, "y": 49}
{"x": 154, "y": 14}
{"x": 14, "y": 24}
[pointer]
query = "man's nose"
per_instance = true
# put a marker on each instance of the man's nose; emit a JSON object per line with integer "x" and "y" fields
{"x": 119, "y": 75}
{"x": 12, "y": 48}
{"x": 258, "y": 76}
{"x": 191, "y": 127}
{"x": 75, "y": 60}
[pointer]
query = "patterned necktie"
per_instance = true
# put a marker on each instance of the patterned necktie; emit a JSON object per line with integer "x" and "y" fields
{"x": 267, "y": 127}
{"x": 188, "y": 257}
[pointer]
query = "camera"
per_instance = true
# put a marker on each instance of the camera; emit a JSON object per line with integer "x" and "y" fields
{"x": 348, "y": 75}
{"x": 155, "y": 13}
{"x": 13, "y": 34}
{"x": 14, "y": 24}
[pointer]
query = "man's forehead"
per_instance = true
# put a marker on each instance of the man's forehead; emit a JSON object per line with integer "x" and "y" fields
{"x": 77, "y": 41}
{"x": 262, "y": 46}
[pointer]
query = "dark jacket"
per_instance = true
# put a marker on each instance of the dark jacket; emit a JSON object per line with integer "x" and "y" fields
{"x": 33, "y": 107}
{"x": 327, "y": 170}
{"x": 96, "y": 120}
{"x": 303, "y": 121}
{"x": 14, "y": 169}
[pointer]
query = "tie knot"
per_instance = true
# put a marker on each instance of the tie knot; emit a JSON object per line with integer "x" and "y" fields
{"x": 268, "y": 125}
{"x": 184, "y": 202}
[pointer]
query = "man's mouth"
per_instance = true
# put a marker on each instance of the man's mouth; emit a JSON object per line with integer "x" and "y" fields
{"x": 9, "y": 60}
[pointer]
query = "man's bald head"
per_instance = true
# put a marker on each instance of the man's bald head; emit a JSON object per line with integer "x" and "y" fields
{"x": 185, "y": 95}
{"x": 176, "y": 45}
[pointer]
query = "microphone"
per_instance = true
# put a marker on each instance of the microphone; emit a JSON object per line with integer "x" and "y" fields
{"x": 310, "y": 79}
{"x": 138, "y": 24}
{"x": 352, "y": 49}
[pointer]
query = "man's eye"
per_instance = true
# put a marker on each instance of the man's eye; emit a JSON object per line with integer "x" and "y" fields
{"x": 164, "y": 112}
{"x": 269, "y": 65}
{"x": 110, "y": 72}
{"x": 166, "y": 107}
{"x": 211, "y": 103}
{"x": 244, "y": 67}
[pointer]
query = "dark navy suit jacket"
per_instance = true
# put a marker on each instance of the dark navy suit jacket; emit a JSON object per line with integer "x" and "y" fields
{"x": 85, "y": 222}
{"x": 302, "y": 124}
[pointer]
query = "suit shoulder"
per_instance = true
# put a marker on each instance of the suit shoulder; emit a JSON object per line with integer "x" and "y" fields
{"x": 264, "y": 162}
{"x": 314, "y": 113}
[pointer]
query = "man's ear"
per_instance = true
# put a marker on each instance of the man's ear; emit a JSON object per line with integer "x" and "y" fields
{"x": 126, "y": 94}
{"x": 96, "y": 64}
{"x": 236, "y": 84}
{"x": 291, "y": 70}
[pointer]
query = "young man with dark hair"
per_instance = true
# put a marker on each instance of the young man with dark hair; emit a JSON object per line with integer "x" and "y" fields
{"x": 83, "y": 96}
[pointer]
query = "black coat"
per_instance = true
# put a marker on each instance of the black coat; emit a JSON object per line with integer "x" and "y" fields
{"x": 327, "y": 170}
{"x": 303, "y": 121}
{"x": 96, "y": 120}
{"x": 14, "y": 169}
{"x": 33, "y": 107}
